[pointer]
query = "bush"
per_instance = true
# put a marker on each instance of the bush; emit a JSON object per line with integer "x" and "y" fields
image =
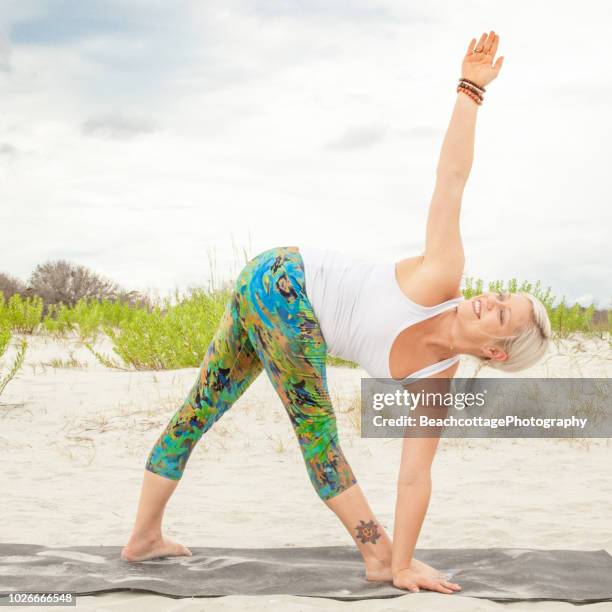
{"x": 22, "y": 315}
{"x": 177, "y": 337}
{"x": 63, "y": 282}
{"x": 5, "y": 339}
{"x": 135, "y": 299}
{"x": 476, "y": 287}
{"x": 9, "y": 286}
{"x": 87, "y": 317}
{"x": 566, "y": 320}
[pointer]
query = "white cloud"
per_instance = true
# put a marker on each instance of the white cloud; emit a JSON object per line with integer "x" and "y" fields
{"x": 358, "y": 137}
{"x": 119, "y": 125}
{"x": 300, "y": 122}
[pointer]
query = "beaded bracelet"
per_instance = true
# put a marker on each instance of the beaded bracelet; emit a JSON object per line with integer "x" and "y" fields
{"x": 479, "y": 87}
{"x": 473, "y": 88}
{"x": 470, "y": 94}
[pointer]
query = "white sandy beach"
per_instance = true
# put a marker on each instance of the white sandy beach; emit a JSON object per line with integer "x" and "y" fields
{"x": 75, "y": 441}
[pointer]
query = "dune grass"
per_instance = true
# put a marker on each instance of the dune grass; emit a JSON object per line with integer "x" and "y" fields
{"x": 18, "y": 361}
{"x": 175, "y": 333}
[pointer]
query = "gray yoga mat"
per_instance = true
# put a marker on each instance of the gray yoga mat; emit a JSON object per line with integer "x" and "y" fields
{"x": 499, "y": 574}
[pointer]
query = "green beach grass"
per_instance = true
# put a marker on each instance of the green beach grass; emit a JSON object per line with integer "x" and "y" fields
{"x": 176, "y": 332}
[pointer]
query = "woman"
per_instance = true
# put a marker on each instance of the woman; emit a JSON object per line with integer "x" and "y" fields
{"x": 405, "y": 321}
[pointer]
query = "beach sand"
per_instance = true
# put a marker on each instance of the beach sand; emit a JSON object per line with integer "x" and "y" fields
{"x": 75, "y": 441}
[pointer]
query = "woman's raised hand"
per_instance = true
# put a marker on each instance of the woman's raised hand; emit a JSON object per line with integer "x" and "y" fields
{"x": 478, "y": 63}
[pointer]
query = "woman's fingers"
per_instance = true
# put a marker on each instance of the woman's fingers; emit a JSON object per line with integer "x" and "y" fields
{"x": 489, "y": 42}
{"x": 436, "y": 585}
{"x": 450, "y": 585}
{"x": 471, "y": 46}
{"x": 495, "y": 45}
{"x": 481, "y": 42}
{"x": 414, "y": 582}
{"x": 440, "y": 588}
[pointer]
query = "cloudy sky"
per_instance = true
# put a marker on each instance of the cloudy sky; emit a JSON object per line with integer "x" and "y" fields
{"x": 152, "y": 140}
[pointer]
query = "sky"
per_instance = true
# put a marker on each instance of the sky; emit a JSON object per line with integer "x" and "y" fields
{"x": 156, "y": 142}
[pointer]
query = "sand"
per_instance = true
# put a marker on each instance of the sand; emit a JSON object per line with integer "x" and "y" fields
{"x": 75, "y": 441}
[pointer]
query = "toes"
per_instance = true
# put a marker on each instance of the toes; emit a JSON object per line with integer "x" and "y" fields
{"x": 179, "y": 550}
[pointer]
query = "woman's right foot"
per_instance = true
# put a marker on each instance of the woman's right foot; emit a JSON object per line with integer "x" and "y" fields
{"x": 141, "y": 550}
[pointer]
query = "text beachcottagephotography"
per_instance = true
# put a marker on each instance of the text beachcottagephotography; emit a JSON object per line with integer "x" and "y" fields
{"x": 306, "y": 305}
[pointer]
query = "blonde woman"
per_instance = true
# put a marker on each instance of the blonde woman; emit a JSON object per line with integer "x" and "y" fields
{"x": 405, "y": 320}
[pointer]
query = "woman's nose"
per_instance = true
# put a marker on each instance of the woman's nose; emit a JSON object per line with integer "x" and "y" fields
{"x": 491, "y": 301}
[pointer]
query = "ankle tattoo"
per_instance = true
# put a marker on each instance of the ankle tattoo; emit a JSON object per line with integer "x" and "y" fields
{"x": 367, "y": 532}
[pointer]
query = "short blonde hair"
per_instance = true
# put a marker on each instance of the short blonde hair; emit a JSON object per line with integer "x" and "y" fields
{"x": 529, "y": 345}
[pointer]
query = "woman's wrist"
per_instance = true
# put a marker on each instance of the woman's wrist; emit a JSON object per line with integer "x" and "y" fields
{"x": 468, "y": 105}
{"x": 463, "y": 93}
{"x": 398, "y": 566}
{"x": 472, "y": 90}
{"x": 397, "y": 572}
{"x": 477, "y": 85}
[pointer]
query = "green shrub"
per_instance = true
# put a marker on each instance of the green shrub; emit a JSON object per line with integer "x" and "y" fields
{"x": 88, "y": 317}
{"x": 5, "y": 339}
{"x": 176, "y": 337}
{"x": 22, "y": 315}
{"x": 59, "y": 320}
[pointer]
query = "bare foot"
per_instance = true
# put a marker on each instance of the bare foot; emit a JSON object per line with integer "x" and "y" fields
{"x": 143, "y": 549}
{"x": 378, "y": 571}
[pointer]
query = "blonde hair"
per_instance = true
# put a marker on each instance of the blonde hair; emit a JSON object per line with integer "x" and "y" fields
{"x": 530, "y": 343}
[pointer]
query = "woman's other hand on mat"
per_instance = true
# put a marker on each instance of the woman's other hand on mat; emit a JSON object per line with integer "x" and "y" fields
{"x": 414, "y": 580}
{"x": 478, "y": 63}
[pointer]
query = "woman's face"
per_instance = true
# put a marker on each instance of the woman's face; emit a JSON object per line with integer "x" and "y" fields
{"x": 488, "y": 316}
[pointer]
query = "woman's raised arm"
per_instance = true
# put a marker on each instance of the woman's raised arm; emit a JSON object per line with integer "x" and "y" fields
{"x": 443, "y": 248}
{"x": 457, "y": 151}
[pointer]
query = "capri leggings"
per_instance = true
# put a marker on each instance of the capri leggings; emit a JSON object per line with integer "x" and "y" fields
{"x": 268, "y": 324}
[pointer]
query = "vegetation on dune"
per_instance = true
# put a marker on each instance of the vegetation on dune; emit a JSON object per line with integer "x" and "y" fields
{"x": 5, "y": 340}
{"x": 62, "y": 298}
{"x": 175, "y": 337}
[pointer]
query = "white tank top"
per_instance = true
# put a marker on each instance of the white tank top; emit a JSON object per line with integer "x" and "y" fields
{"x": 361, "y": 309}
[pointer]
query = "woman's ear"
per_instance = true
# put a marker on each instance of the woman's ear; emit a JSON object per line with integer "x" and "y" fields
{"x": 495, "y": 353}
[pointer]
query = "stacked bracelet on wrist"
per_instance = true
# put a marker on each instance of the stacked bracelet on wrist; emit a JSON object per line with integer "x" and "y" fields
{"x": 472, "y": 90}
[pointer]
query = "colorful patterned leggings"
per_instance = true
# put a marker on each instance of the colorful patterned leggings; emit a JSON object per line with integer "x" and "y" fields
{"x": 268, "y": 324}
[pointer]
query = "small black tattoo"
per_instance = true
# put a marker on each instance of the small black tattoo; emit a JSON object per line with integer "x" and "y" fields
{"x": 367, "y": 532}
